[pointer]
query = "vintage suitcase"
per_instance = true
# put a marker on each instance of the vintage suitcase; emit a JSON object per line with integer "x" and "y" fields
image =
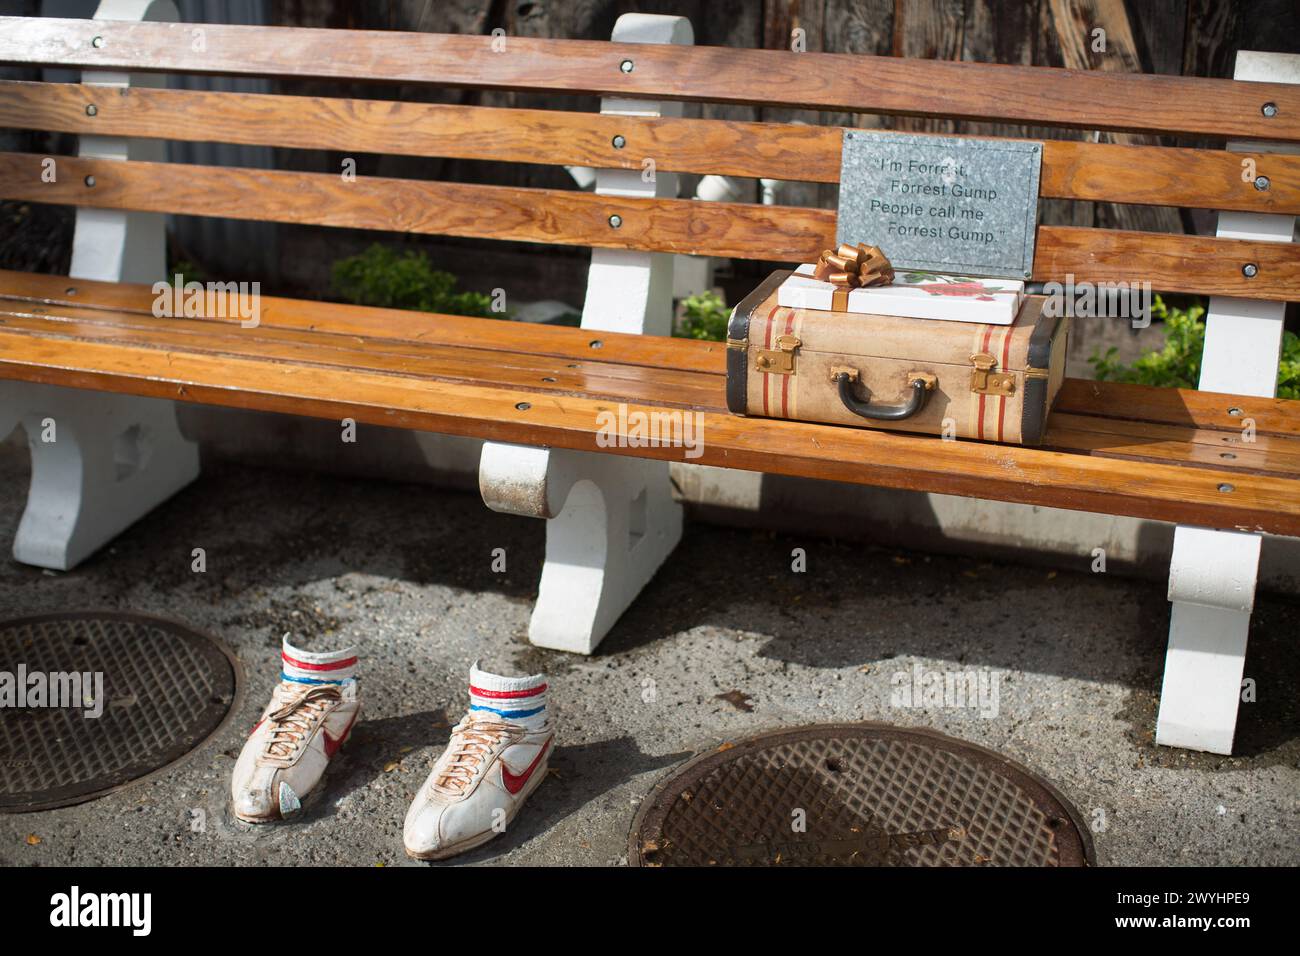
{"x": 956, "y": 379}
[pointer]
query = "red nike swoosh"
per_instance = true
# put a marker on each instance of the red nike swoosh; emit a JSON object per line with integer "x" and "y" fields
{"x": 515, "y": 782}
{"x": 332, "y": 744}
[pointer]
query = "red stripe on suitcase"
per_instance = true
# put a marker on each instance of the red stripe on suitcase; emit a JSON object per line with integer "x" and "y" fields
{"x": 984, "y": 347}
{"x": 1006, "y": 357}
{"x": 785, "y": 379}
{"x": 767, "y": 344}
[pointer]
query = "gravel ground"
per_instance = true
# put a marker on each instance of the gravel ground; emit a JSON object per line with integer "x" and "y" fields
{"x": 405, "y": 572}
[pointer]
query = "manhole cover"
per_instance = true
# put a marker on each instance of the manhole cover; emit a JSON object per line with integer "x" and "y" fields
{"x": 165, "y": 690}
{"x": 856, "y": 795}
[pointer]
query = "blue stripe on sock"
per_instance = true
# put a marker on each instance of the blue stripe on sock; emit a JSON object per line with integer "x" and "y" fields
{"x": 311, "y": 680}
{"x": 508, "y": 713}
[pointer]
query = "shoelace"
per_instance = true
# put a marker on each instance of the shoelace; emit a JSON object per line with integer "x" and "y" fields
{"x": 471, "y": 741}
{"x": 298, "y": 713}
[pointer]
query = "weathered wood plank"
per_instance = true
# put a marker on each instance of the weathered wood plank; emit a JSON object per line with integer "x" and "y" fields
{"x": 1218, "y": 498}
{"x": 28, "y": 290}
{"x": 1209, "y": 179}
{"x": 1197, "y": 264}
{"x": 708, "y": 74}
{"x": 1177, "y": 406}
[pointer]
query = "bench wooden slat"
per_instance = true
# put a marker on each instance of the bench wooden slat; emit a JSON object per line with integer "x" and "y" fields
{"x": 515, "y": 369}
{"x": 1145, "y": 441}
{"x": 1200, "y": 178}
{"x": 665, "y": 387}
{"x": 1026, "y": 475}
{"x": 1282, "y": 451}
{"x": 26, "y": 307}
{"x": 1177, "y": 406}
{"x": 1194, "y": 264}
{"x": 1108, "y": 406}
{"x": 570, "y": 344}
{"x": 828, "y": 81}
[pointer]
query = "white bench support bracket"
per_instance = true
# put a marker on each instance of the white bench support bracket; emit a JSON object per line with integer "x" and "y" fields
{"x": 612, "y": 519}
{"x": 100, "y": 461}
{"x": 1212, "y": 575}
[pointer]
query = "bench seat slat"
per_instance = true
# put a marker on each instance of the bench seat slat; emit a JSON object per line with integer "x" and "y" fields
{"x": 1198, "y": 178}
{"x": 1280, "y": 450}
{"x": 1194, "y": 264}
{"x": 1111, "y": 465}
{"x": 663, "y": 387}
{"x": 1149, "y": 442}
{"x": 514, "y": 369}
{"x": 826, "y": 81}
{"x": 570, "y": 344}
{"x": 1032, "y": 476}
{"x": 1178, "y": 406}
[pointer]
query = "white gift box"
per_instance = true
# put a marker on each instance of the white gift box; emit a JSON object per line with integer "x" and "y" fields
{"x": 916, "y": 295}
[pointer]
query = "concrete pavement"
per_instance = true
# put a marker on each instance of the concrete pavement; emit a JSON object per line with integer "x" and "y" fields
{"x": 405, "y": 572}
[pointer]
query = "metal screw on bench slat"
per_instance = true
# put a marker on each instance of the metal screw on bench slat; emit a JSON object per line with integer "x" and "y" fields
{"x": 92, "y": 109}
{"x": 523, "y": 406}
{"x": 619, "y": 142}
{"x": 1225, "y": 487}
{"x": 1235, "y": 412}
{"x": 90, "y": 180}
{"x": 1227, "y": 454}
{"x": 626, "y": 66}
{"x": 615, "y": 220}
{"x": 1262, "y": 183}
{"x": 1269, "y": 110}
{"x": 97, "y": 42}
{"x": 596, "y": 344}
{"x": 1250, "y": 270}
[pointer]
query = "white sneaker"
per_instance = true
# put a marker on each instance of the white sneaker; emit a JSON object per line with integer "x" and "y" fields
{"x": 304, "y": 725}
{"x": 478, "y": 785}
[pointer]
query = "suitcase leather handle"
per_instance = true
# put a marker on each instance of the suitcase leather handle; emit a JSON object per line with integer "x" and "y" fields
{"x": 887, "y": 413}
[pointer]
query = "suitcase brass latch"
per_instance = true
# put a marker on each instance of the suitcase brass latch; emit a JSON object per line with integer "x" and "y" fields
{"x": 984, "y": 381}
{"x": 780, "y": 360}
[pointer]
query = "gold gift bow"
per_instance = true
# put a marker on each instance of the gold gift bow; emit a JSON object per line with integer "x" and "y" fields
{"x": 852, "y": 267}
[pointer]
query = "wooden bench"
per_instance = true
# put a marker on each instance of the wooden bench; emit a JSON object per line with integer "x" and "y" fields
{"x": 88, "y": 353}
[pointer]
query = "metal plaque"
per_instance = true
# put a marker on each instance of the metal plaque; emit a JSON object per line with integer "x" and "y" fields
{"x": 942, "y": 203}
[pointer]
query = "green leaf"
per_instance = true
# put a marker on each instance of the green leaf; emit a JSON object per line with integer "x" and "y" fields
{"x": 705, "y": 317}
{"x": 383, "y": 277}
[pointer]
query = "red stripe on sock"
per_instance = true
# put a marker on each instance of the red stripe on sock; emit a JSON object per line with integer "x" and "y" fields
{"x": 506, "y": 694}
{"x": 337, "y": 665}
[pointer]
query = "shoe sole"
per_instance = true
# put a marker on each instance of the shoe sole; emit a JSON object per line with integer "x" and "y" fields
{"x": 474, "y": 842}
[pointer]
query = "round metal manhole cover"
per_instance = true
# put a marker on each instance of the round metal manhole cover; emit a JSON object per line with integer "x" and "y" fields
{"x": 93, "y": 701}
{"x": 856, "y": 795}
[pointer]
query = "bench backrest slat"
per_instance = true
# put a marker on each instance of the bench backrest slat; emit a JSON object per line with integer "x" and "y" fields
{"x": 827, "y": 81}
{"x": 1086, "y": 171}
{"x": 1195, "y": 264}
{"x": 1171, "y": 176}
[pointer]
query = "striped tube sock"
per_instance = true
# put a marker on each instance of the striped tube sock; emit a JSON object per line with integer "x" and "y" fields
{"x": 309, "y": 667}
{"x": 519, "y": 700}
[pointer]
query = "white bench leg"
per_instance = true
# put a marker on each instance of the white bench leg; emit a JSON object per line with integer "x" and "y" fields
{"x": 612, "y": 523}
{"x": 612, "y": 520}
{"x": 1212, "y": 587}
{"x": 1212, "y": 574}
{"x": 112, "y": 457}
{"x": 109, "y": 463}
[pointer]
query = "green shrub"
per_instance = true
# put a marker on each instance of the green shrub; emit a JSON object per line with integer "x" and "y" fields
{"x": 383, "y": 277}
{"x": 705, "y": 318}
{"x": 1178, "y": 364}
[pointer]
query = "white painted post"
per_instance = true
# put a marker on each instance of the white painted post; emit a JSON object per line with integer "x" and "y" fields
{"x": 613, "y": 520}
{"x": 100, "y": 461}
{"x": 1213, "y": 573}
